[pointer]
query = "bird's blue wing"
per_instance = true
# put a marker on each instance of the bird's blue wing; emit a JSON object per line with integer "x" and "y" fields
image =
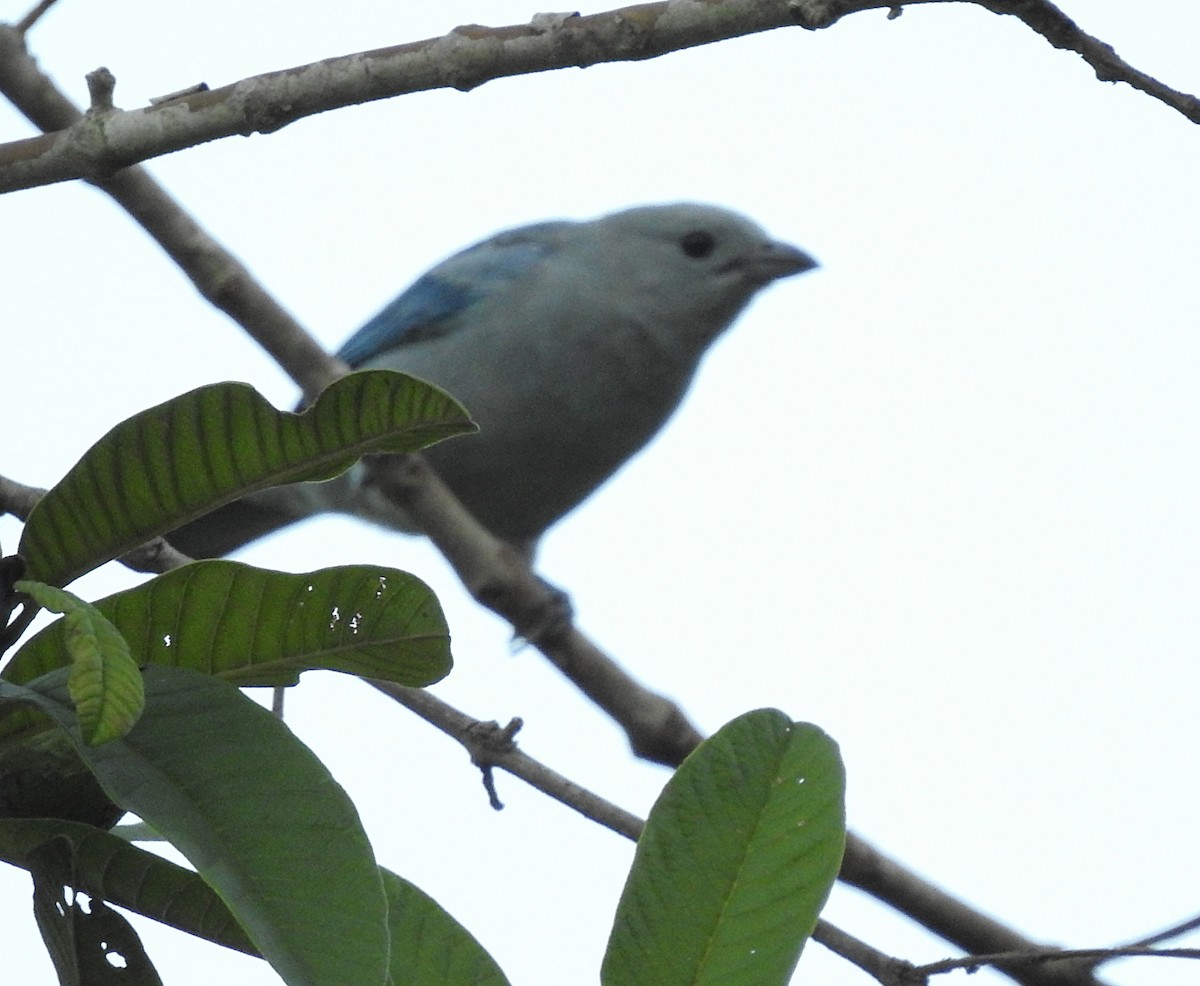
{"x": 414, "y": 315}
{"x": 434, "y": 303}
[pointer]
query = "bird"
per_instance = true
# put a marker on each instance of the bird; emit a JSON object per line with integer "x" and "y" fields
{"x": 570, "y": 343}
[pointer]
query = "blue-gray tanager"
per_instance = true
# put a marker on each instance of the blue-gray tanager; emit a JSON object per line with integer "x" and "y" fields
{"x": 570, "y": 344}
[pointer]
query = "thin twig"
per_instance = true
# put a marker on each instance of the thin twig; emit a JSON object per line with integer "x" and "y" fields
{"x": 885, "y": 969}
{"x": 154, "y": 557}
{"x": 1084, "y": 956}
{"x": 1062, "y": 32}
{"x": 1191, "y": 924}
{"x": 17, "y": 498}
{"x": 1042, "y": 17}
{"x": 863, "y": 866}
{"x": 488, "y": 744}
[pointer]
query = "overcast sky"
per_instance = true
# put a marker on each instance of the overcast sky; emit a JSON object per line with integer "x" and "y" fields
{"x": 939, "y": 497}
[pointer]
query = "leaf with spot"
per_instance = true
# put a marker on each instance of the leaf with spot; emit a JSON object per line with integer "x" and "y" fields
{"x": 89, "y": 946}
{"x": 253, "y": 626}
{"x": 106, "y": 867}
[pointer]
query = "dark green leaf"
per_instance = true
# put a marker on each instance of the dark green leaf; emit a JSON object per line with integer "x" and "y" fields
{"x": 735, "y": 862}
{"x": 174, "y": 462}
{"x": 254, "y": 811}
{"x": 109, "y": 868}
{"x": 90, "y": 944}
{"x": 43, "y": 777}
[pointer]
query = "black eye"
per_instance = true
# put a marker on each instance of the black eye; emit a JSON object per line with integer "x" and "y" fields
{"x": 698, "y": 244}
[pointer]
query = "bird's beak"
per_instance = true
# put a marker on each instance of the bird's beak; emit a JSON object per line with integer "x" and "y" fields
{"x": 774, "y": 260}
{"x": 770, "y": 261}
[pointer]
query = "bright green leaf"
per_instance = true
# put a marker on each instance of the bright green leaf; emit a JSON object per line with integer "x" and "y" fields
{"x": 429, "y": 947}
{"x": 254, "y": 811}
{"x": 737, "y": 858}
{"x": 105, "y": 682}
{"x": 175, "y": 462}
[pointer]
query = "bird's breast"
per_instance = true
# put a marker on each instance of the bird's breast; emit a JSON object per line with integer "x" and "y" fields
{"x": 558, "y": 413}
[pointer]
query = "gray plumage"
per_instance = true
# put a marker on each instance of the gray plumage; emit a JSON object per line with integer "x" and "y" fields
{"x": 570, "y": 343}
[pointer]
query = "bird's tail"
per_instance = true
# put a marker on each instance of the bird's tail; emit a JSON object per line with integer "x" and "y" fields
{"x": 229, "y": 527}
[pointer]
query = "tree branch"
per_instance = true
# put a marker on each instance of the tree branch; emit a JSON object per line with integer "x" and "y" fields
{"x": 99, "y": 144}
{"x": 642, "y": 714}
{"x": 863, "y": 866}
{"x": 27, "y": 22}
{"x": 498, "y": 577}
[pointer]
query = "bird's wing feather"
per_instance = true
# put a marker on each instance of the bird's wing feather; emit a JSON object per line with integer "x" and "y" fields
{"x": 433, "y": 304}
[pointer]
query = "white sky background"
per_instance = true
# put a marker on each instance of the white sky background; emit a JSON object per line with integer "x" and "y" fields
{"x": 939, "y": 497}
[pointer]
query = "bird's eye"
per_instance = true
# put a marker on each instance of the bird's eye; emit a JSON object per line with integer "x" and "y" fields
{"x": 698, "y": 244}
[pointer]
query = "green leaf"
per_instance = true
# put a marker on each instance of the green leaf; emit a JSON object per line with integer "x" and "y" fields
{"x": 177, "y": 461}
{"x": 428, "y": 946}
{"x": 254, "y": 811}
{"x": 43, "y": 777}
{"x": 105, "y": 682}
{"x": 253, "y": 626}
{"x": 109, "y": 868}
{"x": 92, "y": 946}
{"x": 737, "y": 858}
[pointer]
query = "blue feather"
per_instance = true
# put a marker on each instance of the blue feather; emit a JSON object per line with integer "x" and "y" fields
{"x": 416, "y": 314}
{"x": 431, "y": 305}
